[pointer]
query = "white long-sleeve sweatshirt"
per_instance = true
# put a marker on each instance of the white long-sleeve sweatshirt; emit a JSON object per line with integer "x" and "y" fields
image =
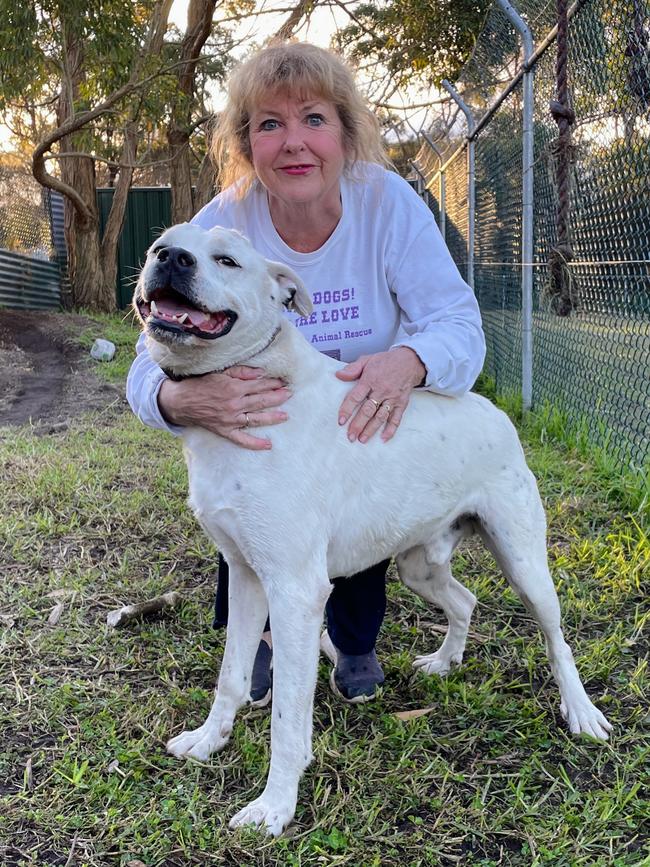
{"x": 384, "y": 278}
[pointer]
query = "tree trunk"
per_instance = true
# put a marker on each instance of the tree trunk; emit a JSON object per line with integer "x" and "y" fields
{"x": 199, "y": 23}
{"x": 115, "y": 221}
{"x": 92, "y": 287}
{"x": 88, "y": 282}
{"x": 180, "y": 173}
{"x": 205, "y": 185}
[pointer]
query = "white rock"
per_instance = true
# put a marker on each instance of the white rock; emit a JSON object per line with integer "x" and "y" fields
{"x": 102, "y": 350}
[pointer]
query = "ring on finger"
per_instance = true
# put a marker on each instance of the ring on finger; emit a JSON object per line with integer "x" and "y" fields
{"x": 247, "y": 422}
{"x": 376, "y": 402}
{"x": 387, "y": 407}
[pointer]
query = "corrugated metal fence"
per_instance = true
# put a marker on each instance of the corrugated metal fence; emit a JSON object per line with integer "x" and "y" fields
{"x": 148, "y": 212}
{"x": 29, "y": 283}
{"x": 30, "y": 276}
{"x": 33, "y": 263}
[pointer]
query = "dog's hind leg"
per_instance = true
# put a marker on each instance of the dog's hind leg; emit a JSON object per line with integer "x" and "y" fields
{"x": 515, "y": 532}
{"x": 435, "y": 583}
{"x": 296, "y": 609}
{"x": 246, "y": 616}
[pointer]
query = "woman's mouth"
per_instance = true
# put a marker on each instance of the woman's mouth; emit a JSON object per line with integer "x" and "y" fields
{"x": 301, "y": 169}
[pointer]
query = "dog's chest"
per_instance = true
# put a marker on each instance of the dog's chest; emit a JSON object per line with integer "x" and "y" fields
{"x": 250, "y": 494}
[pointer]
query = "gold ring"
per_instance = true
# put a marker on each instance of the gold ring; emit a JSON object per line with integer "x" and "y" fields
{"x": 248, "y": 421}
{"x": 376, "y": 402}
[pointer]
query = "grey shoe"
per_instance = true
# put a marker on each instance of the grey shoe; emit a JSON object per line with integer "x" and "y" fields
{"x": 262, "y": 677}
{"x": 354, "y": 678}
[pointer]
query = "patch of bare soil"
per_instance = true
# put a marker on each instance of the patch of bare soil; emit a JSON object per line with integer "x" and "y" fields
{"x": 46, "y": 378}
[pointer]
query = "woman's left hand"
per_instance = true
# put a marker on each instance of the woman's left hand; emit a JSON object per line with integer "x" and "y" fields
{"x": 382, "y": 393}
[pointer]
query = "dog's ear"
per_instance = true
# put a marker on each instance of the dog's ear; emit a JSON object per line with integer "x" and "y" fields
{"x": 293, "y": 292}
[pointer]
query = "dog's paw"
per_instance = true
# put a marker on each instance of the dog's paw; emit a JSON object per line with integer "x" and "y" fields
{"x": 272, "y": 817}
{"x": 200, "y": 743}
{"x": 437, "y": 663}
{"x": 583, "y": 717}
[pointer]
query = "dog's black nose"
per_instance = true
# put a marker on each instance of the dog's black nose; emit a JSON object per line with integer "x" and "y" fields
{"x": 176, "y": 257}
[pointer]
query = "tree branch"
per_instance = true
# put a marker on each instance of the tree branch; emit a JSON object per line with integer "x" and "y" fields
{"x": 303, "y": 9}
{"x": 76, "y": 123}
{"x": 120, "y": 165}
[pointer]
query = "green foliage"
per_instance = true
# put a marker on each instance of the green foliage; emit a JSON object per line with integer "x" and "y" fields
{"x": 34, "y": 39}
{"x": 39, "y": 42}
{"x": 415, "y": 39}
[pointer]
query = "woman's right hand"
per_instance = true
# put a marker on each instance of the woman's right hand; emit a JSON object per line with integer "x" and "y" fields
{"x": 226, "y": 403}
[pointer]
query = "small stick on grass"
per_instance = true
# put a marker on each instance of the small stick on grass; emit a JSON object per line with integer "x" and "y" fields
{"x": 127, "y": 613}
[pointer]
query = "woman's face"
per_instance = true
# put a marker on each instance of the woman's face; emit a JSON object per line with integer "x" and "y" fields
{"x": 297, "y": 149}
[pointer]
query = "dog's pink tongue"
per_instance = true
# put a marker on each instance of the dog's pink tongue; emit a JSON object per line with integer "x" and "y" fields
{"x": 169, "y": 308}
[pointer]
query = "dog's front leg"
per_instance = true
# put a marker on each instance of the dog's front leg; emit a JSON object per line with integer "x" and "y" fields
{"x": 246, "y": 615}
{"x": 296, "y": 613}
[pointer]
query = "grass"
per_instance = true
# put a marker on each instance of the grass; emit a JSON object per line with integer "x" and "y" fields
{"x": 121, "y": 330}
{"x": 94, "y": 517}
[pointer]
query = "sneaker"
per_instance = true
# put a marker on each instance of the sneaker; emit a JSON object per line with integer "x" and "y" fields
{"x": 354, "y": 678}
{"x": 262, "y": 677}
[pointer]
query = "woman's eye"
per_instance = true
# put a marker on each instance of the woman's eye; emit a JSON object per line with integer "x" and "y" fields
{"x": 315, "y": 119}
{"x": 268, "y": 125}
{"x": 227, "y": 261}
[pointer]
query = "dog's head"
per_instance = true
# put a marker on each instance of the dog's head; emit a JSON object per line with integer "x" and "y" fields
{"x": 207, "y": 297}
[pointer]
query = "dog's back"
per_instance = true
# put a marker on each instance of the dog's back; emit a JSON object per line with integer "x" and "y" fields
{"x": 364, "y": 501}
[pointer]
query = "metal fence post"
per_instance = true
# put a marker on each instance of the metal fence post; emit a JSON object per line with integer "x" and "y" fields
{"x": 420, "y": 181}
{"x": 527, "y": 208}
{"x": 471, "y": 185}
{"x": 442, "y": 183}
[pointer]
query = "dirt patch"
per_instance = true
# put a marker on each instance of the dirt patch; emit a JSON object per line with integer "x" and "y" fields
{"x": 45, "y": 376}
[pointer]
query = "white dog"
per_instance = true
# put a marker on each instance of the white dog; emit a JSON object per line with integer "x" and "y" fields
{"x": 317, "y": 506}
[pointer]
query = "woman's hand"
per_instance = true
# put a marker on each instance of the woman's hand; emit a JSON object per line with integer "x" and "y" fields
{"x": 226, "y": 403}
{"x": 382, "y": 393}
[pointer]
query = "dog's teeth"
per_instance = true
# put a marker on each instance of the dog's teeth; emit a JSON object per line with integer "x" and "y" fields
{"x": 182, "y": 318}
{"x": 154, "y": 309}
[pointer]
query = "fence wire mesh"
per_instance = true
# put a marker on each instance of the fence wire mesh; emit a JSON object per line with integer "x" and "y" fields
{"x": 594, "y": 364}
{"x": 24, "y": 219}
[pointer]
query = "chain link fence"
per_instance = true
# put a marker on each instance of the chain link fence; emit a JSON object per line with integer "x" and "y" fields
{"x": 24, "y": 219}
{"x": 594, "y": 363}
{"x": 30, "y": 272}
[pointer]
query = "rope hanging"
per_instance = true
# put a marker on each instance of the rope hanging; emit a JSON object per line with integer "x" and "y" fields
{"x": 563, "y": 289}
{"x": 638, "y": 50}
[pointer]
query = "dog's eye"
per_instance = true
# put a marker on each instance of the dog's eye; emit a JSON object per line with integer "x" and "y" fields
{"x": 227, "y": 261}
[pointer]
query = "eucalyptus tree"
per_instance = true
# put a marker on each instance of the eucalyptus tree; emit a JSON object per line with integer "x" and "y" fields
{"x": 413, "y": 41}
{"x": 102, "y": 77}
{"x": 86, "y": 61}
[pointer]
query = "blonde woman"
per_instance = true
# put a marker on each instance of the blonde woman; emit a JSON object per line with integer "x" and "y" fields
{"x": 304, "y": 176}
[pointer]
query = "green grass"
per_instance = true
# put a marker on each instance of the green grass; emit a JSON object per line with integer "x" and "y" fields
{"x": 95, "y": 517}
{"x": 122, "y": 330}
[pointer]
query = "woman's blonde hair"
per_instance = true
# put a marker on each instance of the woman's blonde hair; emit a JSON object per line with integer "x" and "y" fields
{"x": 302, "y": 70}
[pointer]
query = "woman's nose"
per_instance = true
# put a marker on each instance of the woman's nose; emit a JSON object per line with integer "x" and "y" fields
{"x": 293, "y": 138}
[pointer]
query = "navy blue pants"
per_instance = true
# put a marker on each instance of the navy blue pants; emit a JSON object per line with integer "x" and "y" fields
{"x": 355, "y": 609}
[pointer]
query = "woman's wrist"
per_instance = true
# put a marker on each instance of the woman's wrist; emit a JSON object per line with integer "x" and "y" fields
{"x": 419, "y": 374}
{"x": 168, "y": 402}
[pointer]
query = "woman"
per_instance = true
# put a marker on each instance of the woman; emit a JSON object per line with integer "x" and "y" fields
{"x": 303, "y": 175}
